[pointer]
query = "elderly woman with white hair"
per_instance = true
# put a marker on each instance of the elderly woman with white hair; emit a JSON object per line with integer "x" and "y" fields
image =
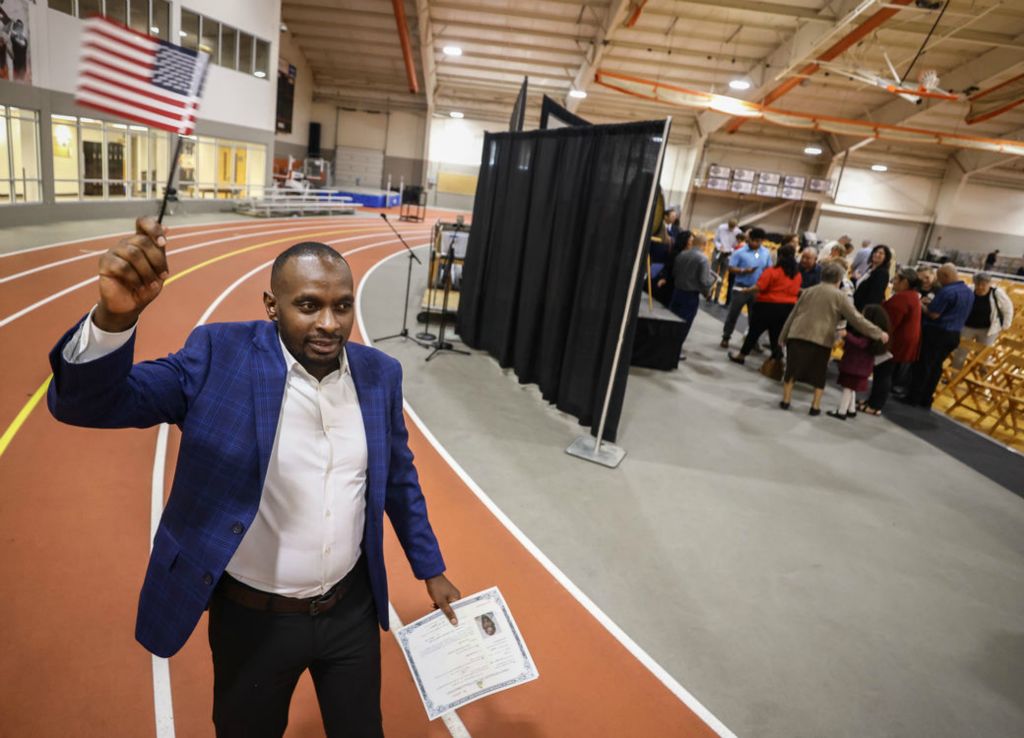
{"x": 810, "y": 331}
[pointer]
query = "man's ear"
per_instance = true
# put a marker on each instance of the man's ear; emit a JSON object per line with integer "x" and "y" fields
{"x": 270, "y": 303}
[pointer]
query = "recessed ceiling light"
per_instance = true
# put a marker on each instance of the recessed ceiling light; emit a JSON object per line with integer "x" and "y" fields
{"x": 456, "y": 114}
{"x": 812, "y": 150}
{"x": 578, "y": 94}
{"x": 154, "y": 29}
{"x": 452, "y": 51}
{"x": 879, "y": 168}
{"x": 183, "y": 34}
{"x": 284, "y": 27}
{"x": 260, "y": 73}
{"x": 739, "y": 84}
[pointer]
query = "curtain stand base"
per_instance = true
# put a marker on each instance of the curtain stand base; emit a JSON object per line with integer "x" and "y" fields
{"x": 585, "y": 447}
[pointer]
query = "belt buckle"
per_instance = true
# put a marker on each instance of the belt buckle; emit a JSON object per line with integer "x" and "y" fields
{"x": 314, "y": 605}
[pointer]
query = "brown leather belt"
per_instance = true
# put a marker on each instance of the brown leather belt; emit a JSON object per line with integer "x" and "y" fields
{"x": 256, "y": 599}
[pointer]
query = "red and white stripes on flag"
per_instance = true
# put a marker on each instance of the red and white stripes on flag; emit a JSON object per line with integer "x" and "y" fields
{"x": 138, "y": 77}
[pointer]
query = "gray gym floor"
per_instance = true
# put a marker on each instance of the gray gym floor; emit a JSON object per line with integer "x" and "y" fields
{"x": 800, "y": 576}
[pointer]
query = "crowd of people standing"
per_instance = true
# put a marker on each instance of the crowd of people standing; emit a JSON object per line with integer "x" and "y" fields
{"x": 897, "y": 329}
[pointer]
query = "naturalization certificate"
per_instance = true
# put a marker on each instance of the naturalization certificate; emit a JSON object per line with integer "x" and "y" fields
{"x": 455, "y": 665}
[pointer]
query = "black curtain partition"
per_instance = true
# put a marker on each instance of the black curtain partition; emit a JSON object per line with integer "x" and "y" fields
{"x": 557, "y": 221}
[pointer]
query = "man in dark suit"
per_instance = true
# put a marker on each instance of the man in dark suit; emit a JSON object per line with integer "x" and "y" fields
{"x": 293, "y": 447}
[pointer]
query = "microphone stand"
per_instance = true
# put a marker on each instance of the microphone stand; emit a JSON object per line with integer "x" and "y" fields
{"x": 446, "y": 278}
{"x": 404, "y": 333}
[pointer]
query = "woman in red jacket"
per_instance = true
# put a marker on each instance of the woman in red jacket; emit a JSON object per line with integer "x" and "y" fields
{"x": 904, "y": 309}
{"x": 777, "y": 291}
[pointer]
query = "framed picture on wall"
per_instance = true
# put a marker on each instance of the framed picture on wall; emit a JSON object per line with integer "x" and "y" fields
{"x": 769, "y": 178}
{"x": 793, "y": 193}
{"x": 767, "y": 190}
{"x": 792, "y": 180}
{"x": 717, "y": 183}
{"x": 743, "y": 175}
{"x": 819, "y": 185}
{"x": 716, "y": 170}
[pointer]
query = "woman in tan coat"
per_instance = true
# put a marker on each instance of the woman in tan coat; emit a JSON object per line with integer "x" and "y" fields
{"x": 810, "y": 331}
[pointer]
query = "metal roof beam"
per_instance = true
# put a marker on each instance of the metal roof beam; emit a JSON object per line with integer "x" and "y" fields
{"x": 617, "y": 14}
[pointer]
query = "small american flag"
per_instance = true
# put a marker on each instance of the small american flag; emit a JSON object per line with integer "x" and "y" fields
{"x": 139, "y": 77}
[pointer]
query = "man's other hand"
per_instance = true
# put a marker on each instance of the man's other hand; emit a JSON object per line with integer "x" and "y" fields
{"x": 443, "y": 593}
{"x": 131, "y": 275}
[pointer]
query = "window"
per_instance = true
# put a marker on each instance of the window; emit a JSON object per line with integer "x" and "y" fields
{"x": 245, "y": 42}
{"x": 262, "y": 59}
{"x": 161, "y": 20}
{"x": 152, "y": 17}
{"x": 118, "y": 10}
{"x": 94, "y": 159}
{"x": 212, "y": 168}
{"x": 138, "y": 15}
{"x": 229, "y": 47}
{"x": 19, "y": 156}
{"x": 209, "y": 39}
{"x": 189, "y": 33}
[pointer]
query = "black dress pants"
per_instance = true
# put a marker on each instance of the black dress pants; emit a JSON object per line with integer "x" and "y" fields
{"x": 766, "y": 316}
{"x": 881, "y": 385}
{"x": 936, "y": 345}
{"x": 259, "y": 656}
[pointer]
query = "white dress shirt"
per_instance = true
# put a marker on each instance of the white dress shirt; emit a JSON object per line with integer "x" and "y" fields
{"x": 725, "y": 238}
{"x": 308, "y": 530}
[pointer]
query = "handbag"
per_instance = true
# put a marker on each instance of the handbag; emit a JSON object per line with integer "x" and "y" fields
{"x": 772, "y": 368}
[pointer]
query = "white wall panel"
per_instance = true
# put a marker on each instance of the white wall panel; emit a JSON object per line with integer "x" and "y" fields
{"x": 905, "y": 194}
{"x": 901, "y": 236}
{"x": 362, "y": 130}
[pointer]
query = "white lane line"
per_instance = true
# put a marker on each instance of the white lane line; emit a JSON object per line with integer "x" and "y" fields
{"x": 620, "y": 635}
{"x": 286, "y": 226}
{"x": 242, "y": 223}
{"x": 451, "y": 719}
{"x": 162, "y": 700}
{"x": 203, "y": 244}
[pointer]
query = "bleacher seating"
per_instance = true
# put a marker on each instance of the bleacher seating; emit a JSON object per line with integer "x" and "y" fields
{"x": 278, "y": 201}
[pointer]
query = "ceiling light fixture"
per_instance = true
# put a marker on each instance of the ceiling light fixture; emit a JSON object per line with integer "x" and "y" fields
{"x": 284, "y": 27}
{"x": 456, "y": 114}
{"x": 879, "y": 168}
{"x": 452, "y": 50}
{"x": 812, "y": 150}
{"x": 578, "y": 94}
{"x": 154, "y": 29}
{"x": 260, "y": 73}
{"x": 183, "y": 34}
{"x": 739, "y": 84}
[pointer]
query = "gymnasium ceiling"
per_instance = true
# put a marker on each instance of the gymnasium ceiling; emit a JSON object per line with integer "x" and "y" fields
{"x": 354, "y": 50}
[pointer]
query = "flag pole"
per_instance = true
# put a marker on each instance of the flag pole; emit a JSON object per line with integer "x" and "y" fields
{"x": 170, "y": 178}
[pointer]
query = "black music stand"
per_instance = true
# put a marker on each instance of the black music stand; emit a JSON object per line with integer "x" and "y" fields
{"x": 404, "y": 333}
{"x": 446, "y": 278}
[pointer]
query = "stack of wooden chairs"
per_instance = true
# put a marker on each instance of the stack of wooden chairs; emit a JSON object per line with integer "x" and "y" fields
{"x": 987, "y": 392}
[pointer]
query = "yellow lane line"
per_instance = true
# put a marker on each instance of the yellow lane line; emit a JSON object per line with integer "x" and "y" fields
{"x": 39, "y": 394}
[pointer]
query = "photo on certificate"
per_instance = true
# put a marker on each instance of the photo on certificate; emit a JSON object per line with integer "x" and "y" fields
{"x": 455, "y": 665}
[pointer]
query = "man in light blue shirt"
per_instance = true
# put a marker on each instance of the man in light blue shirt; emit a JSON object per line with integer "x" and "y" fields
{"x": 745, "y": 265}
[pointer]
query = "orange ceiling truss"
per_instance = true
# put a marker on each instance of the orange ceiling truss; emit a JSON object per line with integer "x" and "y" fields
{"x": 862, "y": 30}
{"x": 682, "y": 97}
{"x": 634, "y": 16}
{"x": 997, "y": 100}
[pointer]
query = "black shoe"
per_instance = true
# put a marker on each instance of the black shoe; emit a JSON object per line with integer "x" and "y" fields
{"x": 784, "y": 405}
{"x": 737, "y": 358}
{"x": 815, "y": 411}
{"x": 836, "y": 414}
{"x": 724, "y": 343}
{"x": 851, "y": 416}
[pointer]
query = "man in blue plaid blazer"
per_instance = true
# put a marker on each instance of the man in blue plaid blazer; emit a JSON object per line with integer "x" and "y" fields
{"x": 268, "y": 410}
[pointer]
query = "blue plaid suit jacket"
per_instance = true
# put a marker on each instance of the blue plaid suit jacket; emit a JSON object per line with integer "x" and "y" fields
{"x": 224, "y": 391}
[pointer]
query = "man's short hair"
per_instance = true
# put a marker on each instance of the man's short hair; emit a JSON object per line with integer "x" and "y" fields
{"x": 982, "y": 277}
{"x": 833, "y": 271}
{"x": 306, "y": 248}
{"x": 757, "y": 234}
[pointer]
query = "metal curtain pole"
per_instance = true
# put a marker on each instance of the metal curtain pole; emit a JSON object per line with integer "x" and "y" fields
{"x": 587, "y": 446}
